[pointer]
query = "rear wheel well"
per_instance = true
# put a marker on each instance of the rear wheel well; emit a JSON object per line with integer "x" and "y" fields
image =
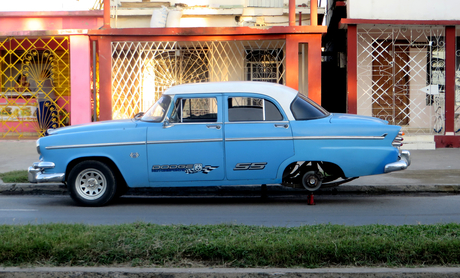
{"x": 294, "y": 172}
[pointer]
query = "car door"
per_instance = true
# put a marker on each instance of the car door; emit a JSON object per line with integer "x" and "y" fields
{"x": 258, "y": 137}
{"x": 189, "y": 145}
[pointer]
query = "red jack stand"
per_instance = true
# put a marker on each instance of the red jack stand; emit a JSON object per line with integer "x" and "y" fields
{"x": 311, "y": 200}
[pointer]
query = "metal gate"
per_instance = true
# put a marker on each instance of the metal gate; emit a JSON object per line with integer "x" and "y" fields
{"x": 142, "y": 71}
{"x": 401, "y": 76}
{"x": 35, "y": 86}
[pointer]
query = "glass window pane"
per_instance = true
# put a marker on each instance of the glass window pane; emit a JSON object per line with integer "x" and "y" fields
{"x": 252, "y": 109}
{"x": 194, "y": 110}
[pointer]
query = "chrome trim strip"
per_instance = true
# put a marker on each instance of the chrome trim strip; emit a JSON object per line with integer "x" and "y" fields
{"x": 339, "y": 137}
{"x": 185, "y": 141}
{"x": 94, "y": 145}
{"x": 258, "y": 139}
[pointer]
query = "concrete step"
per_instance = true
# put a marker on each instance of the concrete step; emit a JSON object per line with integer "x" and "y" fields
{"x": 418, "y": 142}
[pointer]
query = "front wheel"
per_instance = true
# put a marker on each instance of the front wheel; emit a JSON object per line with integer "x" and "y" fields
{"x": 92, "y": 183}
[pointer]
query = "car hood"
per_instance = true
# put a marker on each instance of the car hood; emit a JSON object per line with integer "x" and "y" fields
{"x": 351, "y": 118}
{"x": 104, "y": 125}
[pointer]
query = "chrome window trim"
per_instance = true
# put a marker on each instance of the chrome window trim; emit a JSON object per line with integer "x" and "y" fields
{"x": 94, "y": 145}
{"x": 339, "y": 137}
{"x": 184, "y": 141}
{"x": 195, "y": 123}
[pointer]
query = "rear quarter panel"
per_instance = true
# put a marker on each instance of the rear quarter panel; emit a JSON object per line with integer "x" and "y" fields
{"x": 358, "y": 148}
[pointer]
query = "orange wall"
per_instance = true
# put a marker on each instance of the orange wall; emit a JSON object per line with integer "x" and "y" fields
{"x": 17, "y": 22}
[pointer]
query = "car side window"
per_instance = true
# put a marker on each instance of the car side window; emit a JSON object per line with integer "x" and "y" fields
{"x": 252, "y": 109}
{"x": 189, "y": 110}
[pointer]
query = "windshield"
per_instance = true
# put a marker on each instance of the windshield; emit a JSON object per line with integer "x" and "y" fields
{"x": 304, "y": 108}
{"x": 157, "y": 112}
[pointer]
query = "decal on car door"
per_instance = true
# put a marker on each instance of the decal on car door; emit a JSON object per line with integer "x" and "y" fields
{"x": 250, "y": 166}
{"x": 187, "y": 168}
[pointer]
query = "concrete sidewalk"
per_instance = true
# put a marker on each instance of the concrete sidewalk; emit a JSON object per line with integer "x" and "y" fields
{"x": 431, "y": 171}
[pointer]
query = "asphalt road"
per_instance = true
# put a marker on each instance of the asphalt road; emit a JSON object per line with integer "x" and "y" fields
{"x": 276, "y": 211}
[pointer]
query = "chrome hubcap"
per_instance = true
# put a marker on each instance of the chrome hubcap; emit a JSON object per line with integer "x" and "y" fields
{"x": 91, "y": 184}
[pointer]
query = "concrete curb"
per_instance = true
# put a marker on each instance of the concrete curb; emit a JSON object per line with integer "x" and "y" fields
{"x": 31, "y": 189}
{"x": 226, "y": 272}
{"x": 60, "y": 189}
{"x": 382, "y": 189}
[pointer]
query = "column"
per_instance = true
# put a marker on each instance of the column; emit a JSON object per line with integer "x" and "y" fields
{"x": 352, "y": 68}
{"x": 80, "y": 80}
{"x": 450, "y": 81}
{"x": 105, "y": 78}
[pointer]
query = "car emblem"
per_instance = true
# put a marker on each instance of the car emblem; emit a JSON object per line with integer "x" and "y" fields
{"x": 134, "y": 155}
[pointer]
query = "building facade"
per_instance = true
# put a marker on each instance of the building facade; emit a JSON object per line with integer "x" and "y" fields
{"x": 117, "y": 62}
{"x": 45, "y": 71}
{"x": 403, "y": 65}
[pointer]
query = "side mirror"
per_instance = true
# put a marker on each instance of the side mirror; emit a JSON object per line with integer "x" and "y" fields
{"x": 139, "y": 115}
{"x": 166, "y": 123}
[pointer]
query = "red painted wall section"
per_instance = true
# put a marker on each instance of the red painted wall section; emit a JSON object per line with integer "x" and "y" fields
{"x": 314, "y": 63}
{"x": 80, "y": 96}
{"x": 450, "y": 80}
{"x": 38, "y": 21}
{"x": 314, "y": 68}
{"x": 105, "y": 79}
{"x": 449, "y": 139}
{"x": 352, "y": 81}
{"x": 292, "y": 61}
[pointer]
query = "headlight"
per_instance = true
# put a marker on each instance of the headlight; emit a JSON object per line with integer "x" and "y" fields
{"x": 38, "y": 146}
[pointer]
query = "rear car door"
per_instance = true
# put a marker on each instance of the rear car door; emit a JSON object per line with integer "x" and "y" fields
{"x": 258, "y": 137}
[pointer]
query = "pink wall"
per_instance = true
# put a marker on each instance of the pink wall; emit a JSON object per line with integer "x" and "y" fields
{"x": 80, "y": 80}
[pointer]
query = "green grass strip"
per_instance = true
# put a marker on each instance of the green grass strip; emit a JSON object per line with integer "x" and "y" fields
{"x": 14, "y": 177}
{"x": 142, "y": 244}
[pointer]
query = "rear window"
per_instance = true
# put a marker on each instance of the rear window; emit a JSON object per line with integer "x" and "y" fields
{"x": 242, "y": 109}
{"x": 304, "y": 108}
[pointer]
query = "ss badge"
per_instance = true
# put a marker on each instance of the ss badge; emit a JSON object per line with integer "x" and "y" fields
{"x": 250, "y": 166}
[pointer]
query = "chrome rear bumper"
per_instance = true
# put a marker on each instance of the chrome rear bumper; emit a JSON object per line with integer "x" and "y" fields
{"x": 401, "y": 164}
{"x": 36, "y": 175}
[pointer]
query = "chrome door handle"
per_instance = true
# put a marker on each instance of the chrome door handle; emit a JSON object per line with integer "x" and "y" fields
{"x": 284, "y": 125}
{"x": 213, "y": 126}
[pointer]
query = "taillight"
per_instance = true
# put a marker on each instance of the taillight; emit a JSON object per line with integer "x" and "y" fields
{"x": 397, "y": 142}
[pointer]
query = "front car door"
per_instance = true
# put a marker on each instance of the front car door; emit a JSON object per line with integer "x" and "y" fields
{"x": 189, "y": 146}
{"x": 258, "y": 137}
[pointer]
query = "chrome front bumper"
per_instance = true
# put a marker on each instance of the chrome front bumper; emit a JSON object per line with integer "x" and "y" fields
{"x": 401, "y": 164}
{"x": 36, "y": 175}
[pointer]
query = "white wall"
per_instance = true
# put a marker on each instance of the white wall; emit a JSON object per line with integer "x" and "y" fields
{"x": 404, "y": 9}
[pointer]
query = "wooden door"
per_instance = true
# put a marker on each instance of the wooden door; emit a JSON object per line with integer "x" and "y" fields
{"x": 390, "y": 76}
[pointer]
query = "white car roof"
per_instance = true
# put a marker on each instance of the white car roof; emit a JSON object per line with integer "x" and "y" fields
{"x": 282, "y": 94}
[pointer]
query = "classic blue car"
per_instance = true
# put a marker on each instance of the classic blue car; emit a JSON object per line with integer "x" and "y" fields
{"x": 217, "y": 134}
